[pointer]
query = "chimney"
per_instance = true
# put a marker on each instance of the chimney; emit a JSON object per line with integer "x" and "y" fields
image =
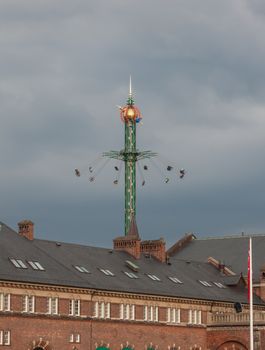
{"x": 26, "y": 229}
{"x": 131, "y": 242}
{"x": 156, "y": 248}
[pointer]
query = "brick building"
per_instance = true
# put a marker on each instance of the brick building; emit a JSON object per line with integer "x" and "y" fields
{"x": 57, "y": 295}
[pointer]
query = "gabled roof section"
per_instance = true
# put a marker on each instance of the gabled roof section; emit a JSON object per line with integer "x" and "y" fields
{"x": 234, "y": 280}
{"x": 180, "y": 244}
{"x": 232, "y": 251}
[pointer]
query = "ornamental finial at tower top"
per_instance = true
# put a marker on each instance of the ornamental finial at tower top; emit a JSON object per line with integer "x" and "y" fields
{"x": 130, "y": 113}
{"x": 130, "y": 87}
{"x": 130, "y": 100}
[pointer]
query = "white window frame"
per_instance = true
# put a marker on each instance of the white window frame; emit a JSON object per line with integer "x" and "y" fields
{"x": 175, "y": 280}
{"x": 96, "y": 307}
{"x": 195, "y": 316}
{"x": 6, "y": 338}
{"x": 18, "y": 263}
{"x": 131, "y": 274}
{"x": 36, "y": 265}
{"x": 1, "y": 337}
{"x": 173, "y": 315}
{"x": 102, "y": 309}
{"x": 107, "y": 272}
{"x": 127, "y": 312}
{"x": 28, "y": 303}
{"x": 219, "y": 284}
{"x": 199, "y": 317}
{"x": 205, "y": 283}
{"x": 150, "y": 313}
{"x": 74, "y": 307}
{"x": 4, "y": 302}
{"x": 81, "y": 269}
{"x": 154, "y": 277}
{"x": 53, "y": 305}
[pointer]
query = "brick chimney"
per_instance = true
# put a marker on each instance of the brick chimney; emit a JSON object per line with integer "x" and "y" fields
{"x": 156, "y": 248}
{"x": 259, "y": 289}
{"x": 131, "y": 242}
{"x": 26, "y": 229}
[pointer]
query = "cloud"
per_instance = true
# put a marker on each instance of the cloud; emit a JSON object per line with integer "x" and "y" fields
{"x": 198, "y": 79}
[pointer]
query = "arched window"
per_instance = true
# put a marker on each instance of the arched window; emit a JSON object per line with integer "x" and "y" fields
{"x": 234, "y": 345}
{"x": 102, "y": 346}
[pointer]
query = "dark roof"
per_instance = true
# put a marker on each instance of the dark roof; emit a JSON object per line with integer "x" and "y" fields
{"x": 59, "y": 258}
{"x": 232, "y": 251}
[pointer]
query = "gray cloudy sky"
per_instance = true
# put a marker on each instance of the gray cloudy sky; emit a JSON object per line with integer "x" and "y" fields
{"x": 198, "y": 70}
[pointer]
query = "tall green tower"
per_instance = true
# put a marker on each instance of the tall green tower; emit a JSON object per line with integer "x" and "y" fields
{"x": 131, "y": 117}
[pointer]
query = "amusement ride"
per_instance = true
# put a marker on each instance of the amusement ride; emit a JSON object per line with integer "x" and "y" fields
{"x": 132, "y": 159}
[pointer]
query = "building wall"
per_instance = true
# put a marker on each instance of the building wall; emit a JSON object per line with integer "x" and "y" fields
{"x": 235, "y": 337}
{"x": 28, "y": 330}
{"x": 81, "y": 332}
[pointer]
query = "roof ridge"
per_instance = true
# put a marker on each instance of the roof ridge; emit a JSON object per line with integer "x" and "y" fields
{"x": 236, "y": 235}
{"x": 70, "y": 243}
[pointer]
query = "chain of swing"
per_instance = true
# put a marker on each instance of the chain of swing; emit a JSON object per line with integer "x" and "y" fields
{"x": 161, "y": 165}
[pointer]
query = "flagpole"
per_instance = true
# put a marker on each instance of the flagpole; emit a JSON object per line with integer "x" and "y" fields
{"x": 250, "y": 291}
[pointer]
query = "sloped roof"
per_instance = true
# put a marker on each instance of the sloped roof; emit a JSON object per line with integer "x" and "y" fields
{"x": 232, "y": 251}
{"x": 59, "y": 259}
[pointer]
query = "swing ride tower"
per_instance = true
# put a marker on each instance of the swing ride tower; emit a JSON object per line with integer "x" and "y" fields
{"x": 131, "y": 117}
{"x": 131, "y": 156}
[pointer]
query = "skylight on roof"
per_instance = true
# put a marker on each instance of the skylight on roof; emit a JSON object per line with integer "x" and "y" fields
{"x": 81, "y": 269}
{"x": 131, "y": 274}
{"x": 220, "y": 285}
{"x": 18, "y": 263}
{"x": 132, "y": 266}
{"x": 205, "y": 283}
{"x": 107, "y": 272}
{"x": 153, "y": 277}
{"x": 36, "y": 265}
{"x": 175, "y": 280}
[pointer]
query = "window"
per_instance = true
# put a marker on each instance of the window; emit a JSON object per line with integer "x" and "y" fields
{"x": 18, "y": 263}
{"x": 101, "y": 309}
{"x": 205, "y": 283}
{"x": 151, "y": 313}
{"x": 220, "y": 285}
{"x": 175, "y": 280}
{"x": 131, "y": 274}
{"x": 173, "y": 315}
{"x": 132, "y": 266}
{"x": 81, "y": 269}
{"x": 4, "y": 302}
{"x": 28, "y": 303}
{"x": 4, "y": 337}
{"x": 107, "y": 272}
{"x": 127, "y": 312}
{"x": 36, "y": 265}
{"x": 52, "y": 305}
{"x": 74, "y": 307}
{"x": 195, "y": 317}
{"x": 74, "y": 338}
{"x": 153, "y": 277}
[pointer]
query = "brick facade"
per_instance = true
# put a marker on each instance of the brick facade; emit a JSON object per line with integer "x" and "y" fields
{"x": 61, "y": 330}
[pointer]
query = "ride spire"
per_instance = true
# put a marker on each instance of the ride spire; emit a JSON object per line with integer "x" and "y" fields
{"x": 130, "y": 116}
